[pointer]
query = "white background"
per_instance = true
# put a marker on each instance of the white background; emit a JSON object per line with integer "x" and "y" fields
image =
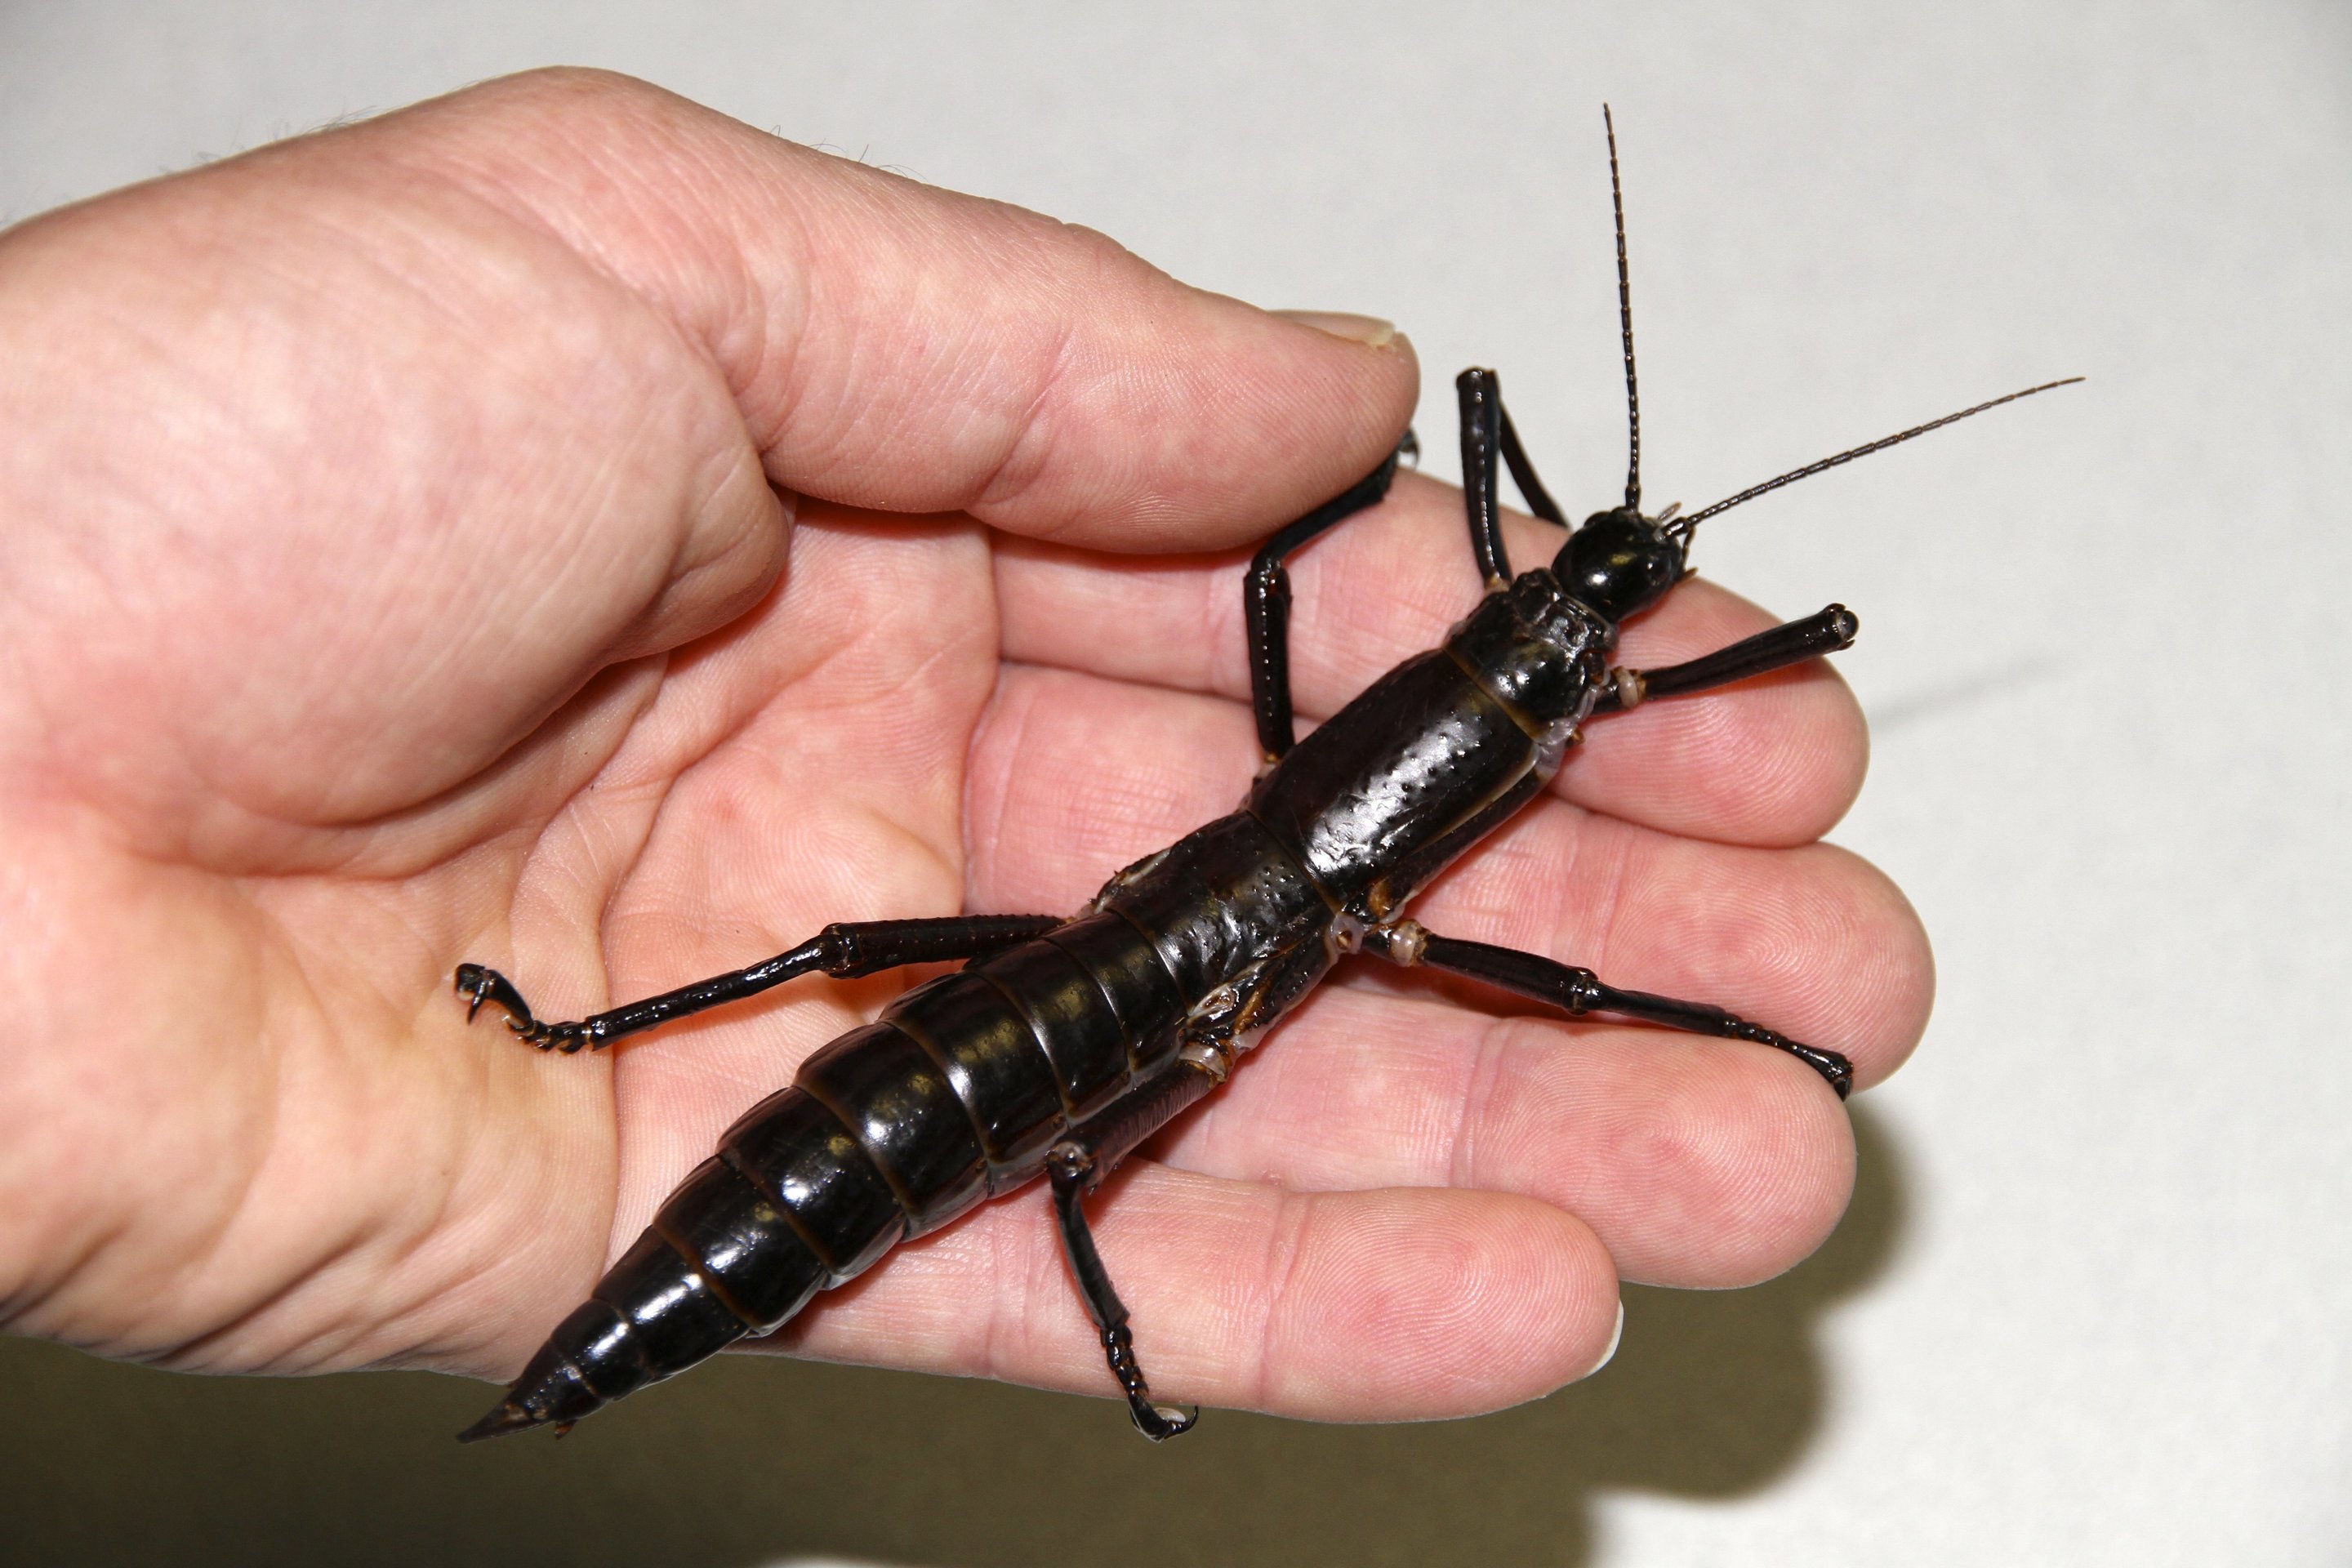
{"x": 2091, "y": 1304}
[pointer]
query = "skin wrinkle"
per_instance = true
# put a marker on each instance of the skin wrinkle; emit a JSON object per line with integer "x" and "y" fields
{"x": 521, "y": 184}
{"x": 478, "y": 1243}
{"x": 306, "y": 1352}
{"x": 204, "y": 1253}
{"x": 769, "y": 520}
{"x": 739, "y": 318}
{"x": 202, "y": 1248}
{"x": 605, "y": 876}
{"x": 409, "y": 1251}
{"x": 843, "y": 422}
{"x": 1285, "y": 1247}
{"x": 697, "y": 516}
{"x": 980, "y": 863}
{"x": 1224, "y": 626}
{"x": 770, "y": 348}
{"x": 1486, "y": 1075}
{"x": 732, "y": 736}
{"x": 1127, "y": 370}
{"x": 1011, "y": 1265}
{"x": 1003, "y": 774}
{"x": 557, "y": 596}
{"x": 742, "y": 318}
{"x": 536, "y": 824}
{"x": 811, "y": 666}
{"x": 732, "y": 659}
{"x": 338, "y": 1342}
{"x": 1612, "y": 902}
{"x": 1502, "y": 1037}
{"x": 301, "y": 952}
{"x": 949, "y": 860}
{"x": 290, "y": 823}
{"x": 1017, "y": 471}
{"x": 25, "y": 1304}
{"x": 193, "y": 1353}
{"x": 541, "y": 863}
{"x": 608, "y": 458}
{"x": 684, "y": 203}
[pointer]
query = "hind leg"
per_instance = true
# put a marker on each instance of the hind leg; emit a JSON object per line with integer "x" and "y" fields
{"x": 842, "y": 950}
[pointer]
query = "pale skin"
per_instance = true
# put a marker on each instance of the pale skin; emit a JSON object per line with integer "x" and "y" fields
{"x": 561, "y": 528}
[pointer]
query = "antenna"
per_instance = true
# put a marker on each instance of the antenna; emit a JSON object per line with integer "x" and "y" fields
{"x": 1626, "y": 327}
{"x": 1683, "y": 529}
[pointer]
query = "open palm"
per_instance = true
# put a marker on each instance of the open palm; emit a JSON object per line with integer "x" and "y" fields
{"x": 403, "y": 567}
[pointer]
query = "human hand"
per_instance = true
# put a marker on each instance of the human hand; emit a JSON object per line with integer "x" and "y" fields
{"x": 395, "y": 545}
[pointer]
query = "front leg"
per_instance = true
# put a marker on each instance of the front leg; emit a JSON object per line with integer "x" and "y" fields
{"x": 1478, "y": 395}
{"x": 1490, "y": 442}
{"x": 1791, "y": 642}
{"x": 843, "y": 950}
{"x": 1266, "y": 603}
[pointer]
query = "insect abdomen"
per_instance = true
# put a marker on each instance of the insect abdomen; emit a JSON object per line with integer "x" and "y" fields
{"x": 1218, "y": 902}
{"x": 890, "y": 1131}
{"x": 789, "y": 1205}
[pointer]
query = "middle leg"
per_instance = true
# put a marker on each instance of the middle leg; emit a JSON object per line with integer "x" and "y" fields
{"x": 1580, "y": 991}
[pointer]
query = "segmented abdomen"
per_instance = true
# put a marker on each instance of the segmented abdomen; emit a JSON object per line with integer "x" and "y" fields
{"x": 895, "y": 1129}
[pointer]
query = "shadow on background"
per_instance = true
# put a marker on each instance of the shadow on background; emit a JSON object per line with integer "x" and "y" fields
{"x": 1902, "y": 709}
{"x": 753, "y": 1460}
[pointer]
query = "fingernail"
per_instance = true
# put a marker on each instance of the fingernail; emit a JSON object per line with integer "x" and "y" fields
{"x": 1616, "y": 1337}
{"x": 1369, "y": 330}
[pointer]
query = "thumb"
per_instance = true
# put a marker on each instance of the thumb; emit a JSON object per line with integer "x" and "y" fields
{"x": 903, "y": 348}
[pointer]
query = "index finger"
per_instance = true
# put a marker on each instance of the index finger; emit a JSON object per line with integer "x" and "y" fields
{"x": 904, "y": 348}
{"x": 1770, "y": 761}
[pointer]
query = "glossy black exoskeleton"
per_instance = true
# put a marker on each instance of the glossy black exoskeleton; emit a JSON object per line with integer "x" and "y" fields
{"x": 1064, "y": 1042}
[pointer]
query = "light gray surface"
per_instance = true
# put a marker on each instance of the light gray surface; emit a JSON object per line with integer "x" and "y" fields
{"x": 2099, "y": 1314}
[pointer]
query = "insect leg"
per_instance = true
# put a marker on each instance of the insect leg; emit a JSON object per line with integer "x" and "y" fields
{"x": 1480, "y": 396}
{"x": 1265, "y": 605}
{"x": 1490, "y": 439}
{"x": 1523, "y": 472}
{"x": 1791, "y": 642}
{"x": 1075, "y": 1166}
{"x": 1580, "y": 991}
{"x": 843, "y": 950}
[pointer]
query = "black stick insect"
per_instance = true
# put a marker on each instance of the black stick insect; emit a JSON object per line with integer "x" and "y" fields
{"x": 1064, "y": 1042}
